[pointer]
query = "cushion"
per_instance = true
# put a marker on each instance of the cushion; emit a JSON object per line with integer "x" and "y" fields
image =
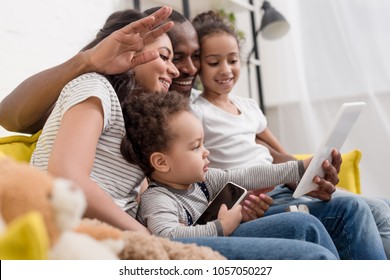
{"x": 349, "y": 172}
{"x": 19, "y": 147}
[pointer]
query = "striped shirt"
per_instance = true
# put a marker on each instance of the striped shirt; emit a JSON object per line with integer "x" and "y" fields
{"x": 110, "y": 170}
{"x": 163, "y": 210}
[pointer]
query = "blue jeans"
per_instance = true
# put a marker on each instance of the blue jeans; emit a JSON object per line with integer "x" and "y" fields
{"x": 250, "y": 248}
{"x": 348, "y": 220}
{"x": 380, "y": 209}
{"x": 293, "y": 225}
{"x": 281, "y": 236}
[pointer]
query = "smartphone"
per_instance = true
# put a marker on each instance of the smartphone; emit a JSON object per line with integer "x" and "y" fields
{"x": 231, "y": 195}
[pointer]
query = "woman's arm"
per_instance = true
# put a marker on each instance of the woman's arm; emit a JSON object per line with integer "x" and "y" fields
{"x": 27, "y": 107}
{"x": 73, "y": 156}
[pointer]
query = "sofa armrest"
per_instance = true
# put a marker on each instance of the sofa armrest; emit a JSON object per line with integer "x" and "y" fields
{"x": 19, "y": 147}
{"x": 349, "y": 172}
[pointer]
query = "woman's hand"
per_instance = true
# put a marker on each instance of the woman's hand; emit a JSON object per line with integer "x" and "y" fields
{"x": 256, "y": 204}
{"x": 117, "y": 53}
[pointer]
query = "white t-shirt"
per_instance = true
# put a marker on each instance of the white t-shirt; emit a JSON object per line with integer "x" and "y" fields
{"x": 110, "y": 170}
{"x": 231, "y": 138}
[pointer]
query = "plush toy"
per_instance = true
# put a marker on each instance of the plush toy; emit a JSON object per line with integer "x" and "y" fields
{"x": 24, "y": 238}
{"x": 139, "y": 246}
{"x": 39, "y": 212}
{"x": 28, "y": 196}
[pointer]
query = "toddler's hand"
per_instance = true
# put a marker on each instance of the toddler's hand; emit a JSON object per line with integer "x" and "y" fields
{"x": 230, "y": 219}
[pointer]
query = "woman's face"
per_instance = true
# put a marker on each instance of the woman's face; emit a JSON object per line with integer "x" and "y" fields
{"x": 157, "y": 75}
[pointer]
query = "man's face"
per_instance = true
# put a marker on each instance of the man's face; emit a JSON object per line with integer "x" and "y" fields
{"x": 186, "y": 56}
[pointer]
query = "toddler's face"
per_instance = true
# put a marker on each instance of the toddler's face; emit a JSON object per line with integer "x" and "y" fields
{"x": 187, "y": 157}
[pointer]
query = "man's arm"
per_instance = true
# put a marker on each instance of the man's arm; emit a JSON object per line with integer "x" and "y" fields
{"x": 27, "y": 107}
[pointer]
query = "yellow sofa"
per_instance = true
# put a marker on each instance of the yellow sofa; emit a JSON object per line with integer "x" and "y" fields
{"x": 349, "y": 173}
{"x": 20, "y": 147}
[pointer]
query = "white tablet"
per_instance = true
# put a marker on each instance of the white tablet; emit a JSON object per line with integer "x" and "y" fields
{"x": 338, "y": 132}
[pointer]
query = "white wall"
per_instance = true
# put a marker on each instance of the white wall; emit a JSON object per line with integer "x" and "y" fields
{"x": 38, "y": 34}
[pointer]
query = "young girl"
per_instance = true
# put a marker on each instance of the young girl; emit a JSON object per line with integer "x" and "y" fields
{"x": 166, "y": 141}
{"x": 233, "y": 124}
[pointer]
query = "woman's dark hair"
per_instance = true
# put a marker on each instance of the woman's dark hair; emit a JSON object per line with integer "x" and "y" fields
{"x": 212, "y": 22}
{"x": 147, "y": 117}
{"x": 123, "y": 83}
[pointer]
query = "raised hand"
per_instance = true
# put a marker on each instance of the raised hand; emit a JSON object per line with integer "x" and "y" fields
{"x": 119, "y": 51}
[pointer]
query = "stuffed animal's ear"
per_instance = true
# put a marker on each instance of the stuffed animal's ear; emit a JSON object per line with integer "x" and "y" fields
{"x": 69, "y": 202}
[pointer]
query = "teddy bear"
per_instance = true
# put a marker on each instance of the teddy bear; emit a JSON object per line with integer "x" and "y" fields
{"x": 139, "y": 246}
{"x": 28, "y": 195}
{"x": 53, "y": 208}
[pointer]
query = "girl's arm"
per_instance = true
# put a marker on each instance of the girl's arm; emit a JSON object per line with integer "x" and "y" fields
{"x": 267, "y": 139}
{"x": 73, "y": 156}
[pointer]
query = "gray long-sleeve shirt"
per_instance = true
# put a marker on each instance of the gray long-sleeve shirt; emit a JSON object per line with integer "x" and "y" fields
{"x": 163, "y": 209}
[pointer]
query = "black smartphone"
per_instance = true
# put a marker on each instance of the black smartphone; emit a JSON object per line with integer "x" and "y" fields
{"x": 231, "y": 195}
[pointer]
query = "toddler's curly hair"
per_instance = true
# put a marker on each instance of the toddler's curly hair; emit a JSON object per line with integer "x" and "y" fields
{"x": 147, "y": 117}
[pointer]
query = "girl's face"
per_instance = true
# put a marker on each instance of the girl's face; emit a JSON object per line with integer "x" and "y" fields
{"x": 220, "y": 63}
{"x": 187, "y": 158}
{"x": 157, "y": 75}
